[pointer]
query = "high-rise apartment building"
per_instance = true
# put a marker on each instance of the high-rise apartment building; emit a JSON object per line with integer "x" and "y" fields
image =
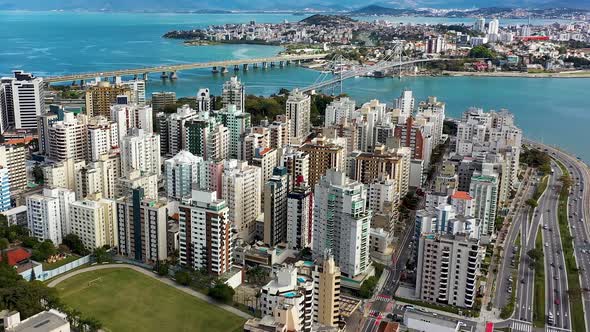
{"x": 266, "y": 159}
{"x": 44, "y": 219}
{"x": 242, "y": 190}
{"x": 323, "y": 155}
{"x": 142, "y": 228}
{"x": 484, "y": 189}
{"x": 297, "y": 164}
{"x": 162, "y": 99}
{"x": 339, "y": 111}
{"x": 14, "y": 157}
{"x": 103, "y": 138}
{"x": 447, "y": 270}
{"x": 342, "y": 222}
{"x": 238, "y": 123}
{"x": 22, "y": 100}
{"x": 100, "y": 97}
{"x": 293, "y": 291}
{"x": 298, "y": 113}
{"x": 233, "y": 93}
{"x": 393, "y": 163}
{"x": 173, "y": 130}
{"x": 275, "y": 207}
{"x": 5, "y": 204}
{"x": 94, "y": 220}
{"x": 326, "y": 297}
{"x": 203, "y": 100}
{"x": 405, "y": 103}
{"x": 140, "y": 151}
{"x": 300, "y": 216}
{"x": 206, "y": 236}
{"x": 181, "y": 172}
{"x": 68, "y": 138}
{"x": 137, "y": 91}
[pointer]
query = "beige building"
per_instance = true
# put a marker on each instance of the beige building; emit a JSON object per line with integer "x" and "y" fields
{"x": 94, "y": 220}
{"x": 14, "y": 158}
{"x": 63, "y": 174}
{"x": 68, "y": 138}
{"x": 99, "y": 98}
{"x": 394, "y": 163}
{"x": 323, "y": 155}
{"x": 326, "y": 279}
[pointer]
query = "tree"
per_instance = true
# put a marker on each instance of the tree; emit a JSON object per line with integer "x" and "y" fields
{"x": 368, "y": 287}
{"x": 43, "y": 250}
{"x": 38, "y": 174}
{"x": 532, "y": 202}
{"x": 482, "y": 51}
{"x": 183, "y": 278}
{"x": 101, "y": 255}
{"x": 163, "y": 268}
{"x": 4, "y": 243}
{"x": 75, "y": 244}
{"x": 535, "y": 254}
{"x": 222, "y": 292}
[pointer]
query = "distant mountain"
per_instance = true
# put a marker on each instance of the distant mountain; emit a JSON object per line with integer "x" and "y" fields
{"x": 327, "y": 20}
{"x": 381, "y": 10}
{"x": 269, "y": 5}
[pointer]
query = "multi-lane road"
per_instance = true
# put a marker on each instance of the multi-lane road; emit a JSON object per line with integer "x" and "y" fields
{"x": 557, "y": 300}
{"x": 545, "y": 219}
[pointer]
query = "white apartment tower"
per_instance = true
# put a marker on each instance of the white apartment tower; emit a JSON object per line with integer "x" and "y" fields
{"x": 140, "y": 151}
{"x": 405, "y": 103}
{"x": 342, "y": 222}
{"x": 298, "y": 112}
{"x": 242, "y": 190}
{"x": 234, "y": 94}
{"x": 103, "y": 137}
{"x": 21, "y": 101}
{"x": 181, "y": 172}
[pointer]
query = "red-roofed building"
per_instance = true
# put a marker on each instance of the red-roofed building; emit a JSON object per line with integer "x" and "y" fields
{"x": 16, "y": 256}
{"x": 463, "y": 203}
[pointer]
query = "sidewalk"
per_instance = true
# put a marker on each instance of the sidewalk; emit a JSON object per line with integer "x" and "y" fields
{"x": 165, "y": 280}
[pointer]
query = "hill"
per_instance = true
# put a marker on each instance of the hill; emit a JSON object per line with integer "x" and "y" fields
{"x": 328, "y": 20}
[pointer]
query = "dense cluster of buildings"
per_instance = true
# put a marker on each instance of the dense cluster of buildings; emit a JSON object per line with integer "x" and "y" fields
{"x": 469, "y": 192}
{"x": 226, "y": 193}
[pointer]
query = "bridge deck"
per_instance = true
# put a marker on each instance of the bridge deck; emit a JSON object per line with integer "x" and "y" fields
{"x": 177, "y": 67}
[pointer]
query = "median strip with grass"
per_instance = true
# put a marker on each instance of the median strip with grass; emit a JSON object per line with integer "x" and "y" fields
{"x": 573, "y": 281}
{"x": 539, "y": 295}
{"x": 508, "y": 309}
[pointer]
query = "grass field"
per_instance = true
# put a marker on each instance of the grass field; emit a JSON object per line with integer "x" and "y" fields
{"x": 126, "y": 300}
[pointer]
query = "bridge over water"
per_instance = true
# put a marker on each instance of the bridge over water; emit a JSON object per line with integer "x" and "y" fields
{"x": 170, "y": 70}
{"x": 365, "y": 70}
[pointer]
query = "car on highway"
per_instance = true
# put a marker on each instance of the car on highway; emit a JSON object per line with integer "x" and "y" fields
{"x": 546, "y": 244}
{"x": 557, "y": 301}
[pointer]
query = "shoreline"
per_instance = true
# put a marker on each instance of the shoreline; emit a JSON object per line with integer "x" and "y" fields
{"x": 573, "y": 74}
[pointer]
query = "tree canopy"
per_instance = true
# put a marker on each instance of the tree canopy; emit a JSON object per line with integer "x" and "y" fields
{"x": 482, "y": 51}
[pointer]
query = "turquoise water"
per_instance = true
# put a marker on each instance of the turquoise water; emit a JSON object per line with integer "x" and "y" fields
{"x": 552, "y": 110}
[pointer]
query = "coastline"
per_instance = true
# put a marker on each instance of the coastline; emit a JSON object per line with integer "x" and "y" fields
{"x": 572, "y": 74}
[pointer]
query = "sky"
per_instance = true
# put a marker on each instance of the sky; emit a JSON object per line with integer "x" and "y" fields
{"x": 174, "y": 5}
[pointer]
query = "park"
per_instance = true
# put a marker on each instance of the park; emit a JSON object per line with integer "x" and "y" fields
{"x": 125, "y": 300}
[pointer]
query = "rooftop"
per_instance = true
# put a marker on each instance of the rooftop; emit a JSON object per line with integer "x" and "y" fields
{"x": 43, "y": 321}
{"x": 462, "y": 195}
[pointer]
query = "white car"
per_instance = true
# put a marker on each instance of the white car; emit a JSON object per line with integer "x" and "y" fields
{"x": 546, "y": 244}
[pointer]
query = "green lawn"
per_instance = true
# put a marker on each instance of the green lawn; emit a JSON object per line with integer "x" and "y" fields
{"x": 51, "y": 266}
{"x": 126, "y": 300}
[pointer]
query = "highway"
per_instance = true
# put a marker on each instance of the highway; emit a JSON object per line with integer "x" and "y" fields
{"x": 506, "y": 268}
{"x": 578, "y": 213}
{"x": 556, "y": 298}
